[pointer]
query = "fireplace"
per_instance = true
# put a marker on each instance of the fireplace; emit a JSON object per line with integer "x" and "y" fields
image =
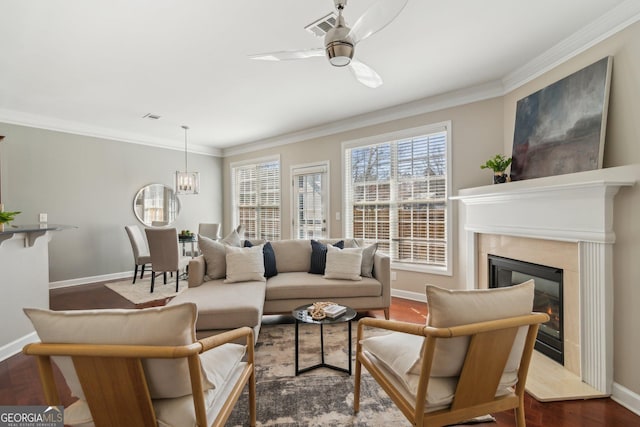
{"x": 574, "y": 209}
{"x": 505, "y": 272}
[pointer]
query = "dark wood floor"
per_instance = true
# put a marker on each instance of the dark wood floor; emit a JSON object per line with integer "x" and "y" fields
{"x": 19, "y": 383}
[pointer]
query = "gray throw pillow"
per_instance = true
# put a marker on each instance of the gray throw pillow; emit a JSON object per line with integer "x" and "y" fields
{"x": 214, "y": 256}
{"x": 367, "y": 260}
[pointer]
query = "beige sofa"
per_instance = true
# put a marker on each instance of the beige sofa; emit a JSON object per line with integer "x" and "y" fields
{"x": 223, "y": 306}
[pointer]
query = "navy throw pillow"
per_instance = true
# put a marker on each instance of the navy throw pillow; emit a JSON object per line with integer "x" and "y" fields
{"x": 319, "y": 256}
{"x": 269, "y": 257}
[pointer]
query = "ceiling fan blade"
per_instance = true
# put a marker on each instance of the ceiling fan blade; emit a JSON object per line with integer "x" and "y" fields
{"x": 365, "y": 74}
{"x": 374, "y": 19}
{"x": 287, "y": 55}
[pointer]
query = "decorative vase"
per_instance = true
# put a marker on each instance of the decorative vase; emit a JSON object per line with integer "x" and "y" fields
{"x": 500, "y": 177}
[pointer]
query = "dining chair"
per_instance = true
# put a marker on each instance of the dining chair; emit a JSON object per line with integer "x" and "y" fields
{"x": 165, "y": 254}
{"x": 141, "y": 256}
{"x": 210, "y": 230}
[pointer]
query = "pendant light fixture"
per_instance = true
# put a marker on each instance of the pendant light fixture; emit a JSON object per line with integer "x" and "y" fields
{"x": 187, "y": 182}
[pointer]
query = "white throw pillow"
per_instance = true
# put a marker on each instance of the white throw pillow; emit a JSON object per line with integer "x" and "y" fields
{"x": 459, "y": 307}
{"x": 169, "y": 326}
{"x": 233, "y": 239}
{"x": 343, "y": 263}
{"x": 245, "y": 264}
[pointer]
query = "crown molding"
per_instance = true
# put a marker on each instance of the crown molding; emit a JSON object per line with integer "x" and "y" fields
{"x": 414, "y": 108}
{"x": 614, "y": 21}
{"x": 77, "y": 128}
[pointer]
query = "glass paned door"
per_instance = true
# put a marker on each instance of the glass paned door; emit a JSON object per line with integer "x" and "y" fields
{"x": 309, "y": 202}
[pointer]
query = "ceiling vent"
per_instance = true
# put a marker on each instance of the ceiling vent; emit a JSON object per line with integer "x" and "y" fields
{"x": 321, "y": 26}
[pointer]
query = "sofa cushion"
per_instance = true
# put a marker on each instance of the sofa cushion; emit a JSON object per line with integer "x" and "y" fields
{"x": 449, "y": 308}
{"x": 226, "y": 305}
{"x": 215, "y": 257}
{"x": 244, "y": 264}
{"x": 299, "y": 285}
{"x": 270, "y": 267}
{"x": 318, "y": 259}
{"x": 292, "y": 255}
{"x": 169, "y": 325}
{"x": 343, "y": 263}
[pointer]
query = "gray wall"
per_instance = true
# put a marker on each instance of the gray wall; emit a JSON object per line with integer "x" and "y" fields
{"x": 90, "y": 183}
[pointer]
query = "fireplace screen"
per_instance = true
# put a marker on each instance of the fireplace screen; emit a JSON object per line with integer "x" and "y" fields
{"x": 547, "y": 298}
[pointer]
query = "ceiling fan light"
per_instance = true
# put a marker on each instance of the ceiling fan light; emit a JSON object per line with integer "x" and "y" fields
{"x": 339, "y": 53}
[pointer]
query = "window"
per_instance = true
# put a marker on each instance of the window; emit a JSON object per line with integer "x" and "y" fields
{"x": 396, "y": 194}
{"x": 256, "y": 198}
{"x": 309, "y": 201}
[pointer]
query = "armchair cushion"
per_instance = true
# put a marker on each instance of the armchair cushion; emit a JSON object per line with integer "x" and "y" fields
{"x": 394, "y": 352}
{"x": 168, "y": 325}
{"x": 343, "y": 263}
{"x": 458, "y": 307}
{"x": 177, "y": 411}
{"x": 244, "y": 264}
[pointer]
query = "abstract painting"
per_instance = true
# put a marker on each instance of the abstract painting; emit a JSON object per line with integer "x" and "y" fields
{"x": 560, "y": 129}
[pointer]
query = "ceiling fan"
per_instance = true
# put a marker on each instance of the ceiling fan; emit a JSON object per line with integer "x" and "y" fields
{"x": 340, "y": 42}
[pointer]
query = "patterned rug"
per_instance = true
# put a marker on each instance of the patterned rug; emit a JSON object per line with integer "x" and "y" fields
{"x": 321, "y": 397}
{"x": 139, "y": 293}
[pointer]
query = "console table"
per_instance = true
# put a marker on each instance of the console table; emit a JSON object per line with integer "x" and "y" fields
{"x": 24, "y": 281}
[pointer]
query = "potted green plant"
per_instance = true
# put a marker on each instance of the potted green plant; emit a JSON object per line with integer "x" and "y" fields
{"x": 6, "y": 217}
{"x": 498, "y": 164}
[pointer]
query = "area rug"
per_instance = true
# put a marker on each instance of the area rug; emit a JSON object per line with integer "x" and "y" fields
{"x": 321, "y": 397}
{"x": 139, "y": 293}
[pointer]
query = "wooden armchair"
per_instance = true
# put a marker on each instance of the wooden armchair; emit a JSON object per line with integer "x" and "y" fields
{"x": 118, "y": 387}
{"x": 461, "y": 371}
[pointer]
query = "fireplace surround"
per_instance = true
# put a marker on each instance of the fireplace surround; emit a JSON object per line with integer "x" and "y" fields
{"x": 573, "y": 210}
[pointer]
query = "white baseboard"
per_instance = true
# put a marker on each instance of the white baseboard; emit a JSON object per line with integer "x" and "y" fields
{"x": 87, "y": 280}
{"x": 626, "y": 398}
{"x": 413, "y": 296}
{"x": 15, "y": 347}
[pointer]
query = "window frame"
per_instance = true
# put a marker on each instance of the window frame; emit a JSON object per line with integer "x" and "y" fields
{"x": 234, "y": 195}
{"x": 446, "y": 270}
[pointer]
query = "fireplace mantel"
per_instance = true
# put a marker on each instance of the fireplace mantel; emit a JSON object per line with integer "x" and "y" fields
{"x": 576, "y": 208}
{"x": 573, "y": 207}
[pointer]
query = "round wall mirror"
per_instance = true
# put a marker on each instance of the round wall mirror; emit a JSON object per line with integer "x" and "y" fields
{"x": 156, "y": 205}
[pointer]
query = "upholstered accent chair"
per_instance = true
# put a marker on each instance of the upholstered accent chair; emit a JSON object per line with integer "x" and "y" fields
{"x": 142, "y": 367}
{"x": 141, "y": 256}
{"x": 470, "y": 359}
{"x": 212, "y": 231}
{"x": 165, "y": 254}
